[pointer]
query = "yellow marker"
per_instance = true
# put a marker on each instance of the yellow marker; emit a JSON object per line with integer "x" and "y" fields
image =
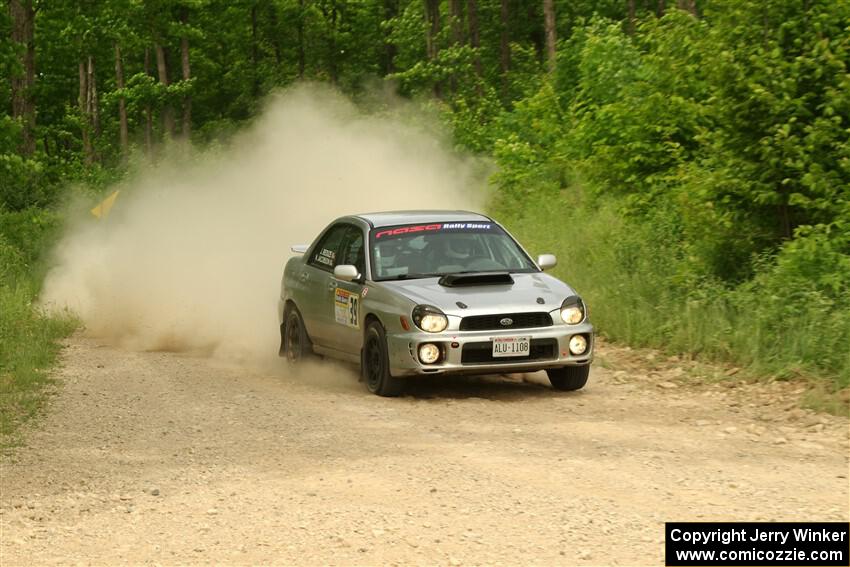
{"x": 102, "y": 209}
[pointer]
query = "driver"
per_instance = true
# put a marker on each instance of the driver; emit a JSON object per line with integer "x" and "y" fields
{"x": 458, "y": 248}
{"x": 451, "y": 250}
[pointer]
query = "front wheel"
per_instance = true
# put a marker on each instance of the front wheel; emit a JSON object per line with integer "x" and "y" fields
{"x": 375, "y": 363}
{"x": 569, "y": 378}
{"x": 295, "y": 345}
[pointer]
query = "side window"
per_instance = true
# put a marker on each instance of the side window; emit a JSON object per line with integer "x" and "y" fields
{"x": 355, "y": 252}
{"x": 326, "y": 253}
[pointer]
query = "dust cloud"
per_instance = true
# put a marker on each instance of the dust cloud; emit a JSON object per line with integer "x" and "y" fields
{"x": 191, "y": 256}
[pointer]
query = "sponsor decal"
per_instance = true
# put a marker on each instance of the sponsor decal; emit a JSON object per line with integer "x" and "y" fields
{"x": 467, "y": 226}
{"x": 433, "y": 227}
{"x": 365, "y": 291}
{"x": 407, "y": 230}
{"x": 326, "y": 257}
{"x": 346, "y": 308}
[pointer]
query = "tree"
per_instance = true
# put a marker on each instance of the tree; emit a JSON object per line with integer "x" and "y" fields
{"x": 22, "y": 14}
{"x": 504, "y": 45}
{"x": 390, "y": 50}
{"x": 432, "y": 32}
{"x": 123, "y": 135}
{"x": 550, "y": 32}
{"x": 148, "y": 108}
{"x": 187, "y": 74}
{"x": 630, "y": 20}
{"x": 689, "y": 6}
{"x": 167, "y": 107}
{"x": 474, "y": 33}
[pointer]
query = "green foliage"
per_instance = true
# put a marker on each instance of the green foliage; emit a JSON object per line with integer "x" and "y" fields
{"x": 790, "y": 320}
{"x": 525, "y": 142}
{"x": 713, "y": 153}
{"x": 28, "y": 347}
{"x": 636, "y": 105}
{"x": 781, "y": 112}
{"x": 28, "y": 338}
{"x": 30, "y": 232}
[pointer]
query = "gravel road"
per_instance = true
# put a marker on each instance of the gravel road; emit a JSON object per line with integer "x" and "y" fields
{"x": 166, "y": 458}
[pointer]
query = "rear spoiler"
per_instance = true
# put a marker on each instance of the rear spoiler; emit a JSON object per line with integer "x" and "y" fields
{"x": 481, "y": 278}
{"x": 299, "y": 248}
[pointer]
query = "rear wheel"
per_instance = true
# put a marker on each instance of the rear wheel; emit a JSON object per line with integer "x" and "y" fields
{"x": 569, "y": 377}
{"x": 294, "y": 344}
{"x": 375, "y": 363}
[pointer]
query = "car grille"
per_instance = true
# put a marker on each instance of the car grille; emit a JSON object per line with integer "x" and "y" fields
{"x": 482, "y": 352}
{"x": 492, "y": 322}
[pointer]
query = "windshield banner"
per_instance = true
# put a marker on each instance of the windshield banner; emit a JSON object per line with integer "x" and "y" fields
{"x": 436, "y": 227}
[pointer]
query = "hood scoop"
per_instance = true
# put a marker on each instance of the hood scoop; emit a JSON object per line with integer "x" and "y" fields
{"x": 481, "y": 278}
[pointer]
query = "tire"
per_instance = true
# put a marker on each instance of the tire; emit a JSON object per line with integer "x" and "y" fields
{"x": 294, "y": 343}
{"x": 375, "y": 363}
{"x": 569, "y": 378}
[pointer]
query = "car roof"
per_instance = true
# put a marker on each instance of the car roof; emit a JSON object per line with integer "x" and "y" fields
{"x": 393, "y": 218}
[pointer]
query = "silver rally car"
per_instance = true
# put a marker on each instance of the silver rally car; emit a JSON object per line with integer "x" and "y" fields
{"x": 431, "y": 292}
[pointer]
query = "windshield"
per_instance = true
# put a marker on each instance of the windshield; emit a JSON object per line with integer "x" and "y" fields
{"x": 423, "y": 250}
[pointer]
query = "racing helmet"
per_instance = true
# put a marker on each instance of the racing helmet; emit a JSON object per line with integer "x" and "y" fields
{"x": 458, "y": 246}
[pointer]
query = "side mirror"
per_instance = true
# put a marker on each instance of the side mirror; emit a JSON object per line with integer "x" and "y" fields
{"x": 547, "y": 261}
{"x": 346, "y": 272}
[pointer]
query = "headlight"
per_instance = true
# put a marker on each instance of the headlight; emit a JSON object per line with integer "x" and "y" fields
{"x": 429, "y": 318}
{"x": 429, "y": 353}
{"x": 578, "y": 344}
{"x": 572, "y": 310}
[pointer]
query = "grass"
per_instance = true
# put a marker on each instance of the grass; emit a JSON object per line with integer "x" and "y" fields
{"x": 29, "y": 339}
{"x": 28, "y": 348}
{"x": 640, "y": 291}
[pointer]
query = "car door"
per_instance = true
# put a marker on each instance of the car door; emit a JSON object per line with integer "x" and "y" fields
{"x": 347, "y": 334}
{"x": 316, "y": 278}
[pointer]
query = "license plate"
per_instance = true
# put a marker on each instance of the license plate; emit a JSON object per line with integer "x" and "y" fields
{"x": 511, "y": 346}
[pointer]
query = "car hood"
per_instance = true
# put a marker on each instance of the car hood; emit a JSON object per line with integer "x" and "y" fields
{"x": 521, "y": 296}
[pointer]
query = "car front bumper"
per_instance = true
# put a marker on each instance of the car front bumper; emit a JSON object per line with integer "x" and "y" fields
{"x": 470, "y": 352}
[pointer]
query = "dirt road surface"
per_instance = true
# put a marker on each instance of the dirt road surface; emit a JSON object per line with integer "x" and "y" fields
{"x": 164, "y": 458}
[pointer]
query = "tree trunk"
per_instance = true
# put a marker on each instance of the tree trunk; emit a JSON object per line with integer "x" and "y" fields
{"x": 456, "y": 14}
{"x": 122, "y": 105}
{"x": 688, "y": 6}
{"x": 390, "y": 50}
{"x": 94, "y": 109}
{"x": 273, "y": 23}
{"x": 504, "y": 46}
{"x": 456, "y": 23}
{"x": 85, "y": 123}
{"x": 148, "y": 110}
{"x": 536, "y": 34}
{"x": 302, "y": 60}
{"x": 661, "y": 8}
{"x": 167, "y": 109}
{"x": 474, "y": 35}
{"x": 187, "y": 74}
{"x": 333, "y": 70}
{"x": 255, "y": 55}
{"x": 551, "y": 36}
{"x": 785, "y": 225}
{"x": 432, "y": 21}
{"x": 630, "y": 21}
{"x": 22, "y": 15}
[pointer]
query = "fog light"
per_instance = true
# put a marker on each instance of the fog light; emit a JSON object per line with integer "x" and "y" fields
{"x": 578, "y": 344}
{"x": 429, "y": 353}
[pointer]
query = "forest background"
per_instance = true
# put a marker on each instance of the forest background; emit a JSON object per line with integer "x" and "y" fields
{"x": 688, "y": 162}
